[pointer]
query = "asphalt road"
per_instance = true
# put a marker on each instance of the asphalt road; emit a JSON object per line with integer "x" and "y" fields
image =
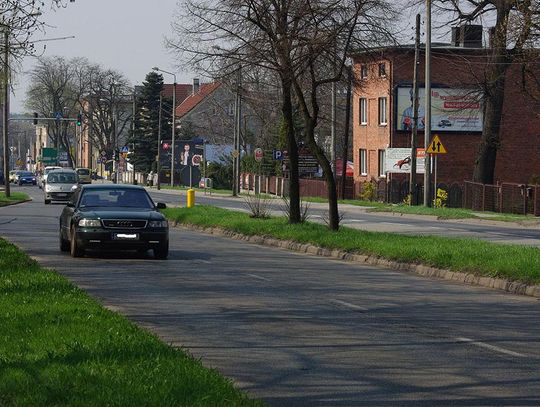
{"x": 359, "y": 218}
{"x": 299, "y": 330}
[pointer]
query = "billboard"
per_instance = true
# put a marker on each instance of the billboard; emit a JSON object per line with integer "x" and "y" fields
{"x": 398, "y": 160}
{"x": 452, "y": 109}
{"x": 188, "y": 156}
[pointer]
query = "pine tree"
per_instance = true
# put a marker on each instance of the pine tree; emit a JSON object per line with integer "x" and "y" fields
{"x": 145, "y": 134}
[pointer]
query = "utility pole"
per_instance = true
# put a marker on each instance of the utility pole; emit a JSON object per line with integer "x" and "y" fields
{"x": 237, "y": 131}
{"x": 427, "y": 125}
{"x": 5, "y": 118}
{"x": 344, "y": 157}
{"x": 173, "y": 130}
{"x": 414, "y": 135}
{"x": 158, "y": 166}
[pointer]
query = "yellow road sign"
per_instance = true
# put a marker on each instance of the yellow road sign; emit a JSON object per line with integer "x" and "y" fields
{"x": 435, "y": 146}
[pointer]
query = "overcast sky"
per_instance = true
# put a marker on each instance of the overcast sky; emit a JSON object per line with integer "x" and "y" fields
{"x": 125, "y": 35}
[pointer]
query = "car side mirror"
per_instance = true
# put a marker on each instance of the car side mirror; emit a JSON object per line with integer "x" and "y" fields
{"x": 161, "y": 205}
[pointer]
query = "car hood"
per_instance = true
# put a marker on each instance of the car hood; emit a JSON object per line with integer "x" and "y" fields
{"x": 60, "y": 187}
{"x": 120, "y": 213}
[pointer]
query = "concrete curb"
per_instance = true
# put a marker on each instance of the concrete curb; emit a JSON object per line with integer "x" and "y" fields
{"x": 512, "y": 287}
{"x": 15, "y": 203}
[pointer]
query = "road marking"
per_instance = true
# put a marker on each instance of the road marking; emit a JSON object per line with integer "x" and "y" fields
{"x": 491, "y": 347}
{"x": 258, "y": 277}
{"x": 349, "y": 305}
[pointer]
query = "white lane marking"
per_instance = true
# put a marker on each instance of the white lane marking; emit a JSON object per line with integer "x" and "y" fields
{"x": 355, "y": 220}
{"x": 349, "y": 305}
{"x": 258, "y": 277}
{"x": 491, "y": 347}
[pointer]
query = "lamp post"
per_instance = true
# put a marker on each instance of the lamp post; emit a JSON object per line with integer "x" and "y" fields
{"x": 173, "y": 120}
{"x": 5, "y": 118}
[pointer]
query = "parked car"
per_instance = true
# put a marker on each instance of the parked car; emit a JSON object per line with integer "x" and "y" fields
{"x": 116, "y": 217}
{"x": 85, "y": 175}
{"x": 43, "y": 175}
{"x": 25, "y": 177}
{"x": 59, "y": 185}
{"x": 13, "y": 175}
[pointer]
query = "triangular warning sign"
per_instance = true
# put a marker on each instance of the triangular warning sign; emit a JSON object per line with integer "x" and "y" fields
{"x": 435, "y": 146}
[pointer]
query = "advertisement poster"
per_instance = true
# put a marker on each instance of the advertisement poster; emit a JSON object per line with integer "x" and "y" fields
{"x": 187, "y": 160}
{"x": 398, "y": 160}
{"x": 452, "y": 110}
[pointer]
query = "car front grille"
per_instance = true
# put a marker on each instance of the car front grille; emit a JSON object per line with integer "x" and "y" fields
{"x": 60, "y": 195}
{"x": 124, "y": 223}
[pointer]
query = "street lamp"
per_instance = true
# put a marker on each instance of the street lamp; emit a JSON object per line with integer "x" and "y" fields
{"x": 173, "y": 121}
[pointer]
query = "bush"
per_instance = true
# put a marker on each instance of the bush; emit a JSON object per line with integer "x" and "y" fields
{"x": 369, "y": 191}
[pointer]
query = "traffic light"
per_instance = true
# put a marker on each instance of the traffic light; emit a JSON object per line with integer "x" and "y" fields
{"x": 35, "y": 118}
{"x": 116, "y": 155}
{"x": 79, "y": 119}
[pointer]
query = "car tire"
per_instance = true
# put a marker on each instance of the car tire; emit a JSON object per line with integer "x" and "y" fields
{"x": 161, "y": 252}
{"x": 64, "y": 244}
{"x": 74, "y": 248}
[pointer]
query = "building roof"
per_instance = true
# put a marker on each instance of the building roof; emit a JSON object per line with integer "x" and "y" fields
{"x": 183, "y": 90}
{"x": 194, "y": 99}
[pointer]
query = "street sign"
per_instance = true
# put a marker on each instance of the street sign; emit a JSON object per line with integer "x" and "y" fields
{"x": 235, "y": 153}
{"x": 49, "y": 156}
{"x": 277, "y": 154}
{"x": 435, "y": 146}
{"x": 124, "y": 149}
{"x": 258, "y": 154}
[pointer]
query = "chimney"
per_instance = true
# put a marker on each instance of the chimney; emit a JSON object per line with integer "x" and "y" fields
{"x": 196, "y": 85}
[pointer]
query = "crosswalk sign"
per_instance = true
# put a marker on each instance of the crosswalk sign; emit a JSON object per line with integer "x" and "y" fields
{"x": 435, "y": 146}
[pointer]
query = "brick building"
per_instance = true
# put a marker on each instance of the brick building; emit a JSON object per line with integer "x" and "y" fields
{"x": 385, "y": 82}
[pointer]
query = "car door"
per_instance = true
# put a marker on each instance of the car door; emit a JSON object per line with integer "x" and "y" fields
{"x": 68, "y": 211}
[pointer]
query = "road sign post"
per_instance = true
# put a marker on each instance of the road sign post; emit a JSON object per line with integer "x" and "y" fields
{"x": 435, "y": 148}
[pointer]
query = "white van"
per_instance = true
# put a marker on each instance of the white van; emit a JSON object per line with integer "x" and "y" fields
{"x": 59, "y": 185}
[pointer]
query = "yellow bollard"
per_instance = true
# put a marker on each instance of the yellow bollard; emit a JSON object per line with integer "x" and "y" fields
{"x": 190, "y": 198}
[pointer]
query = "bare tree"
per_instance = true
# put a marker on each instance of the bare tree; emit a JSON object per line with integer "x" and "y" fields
{"x": 515, "y": 33}
{"x": 305, "y": 43}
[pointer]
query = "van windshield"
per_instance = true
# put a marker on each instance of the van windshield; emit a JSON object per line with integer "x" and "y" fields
{"x": 83, "y": 171}
{"x": 61, "y": 178}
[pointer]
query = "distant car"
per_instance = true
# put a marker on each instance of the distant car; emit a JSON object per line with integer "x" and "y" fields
{"x": 59, "y": 185}
{"x": 85, "y": 175}
{"x": 43, "y": 175}
{"x": 25, "y": 177}
{"x": 445, "y": 123}
{"x": 115, "y": 217}
{"x": 13, "y": 175}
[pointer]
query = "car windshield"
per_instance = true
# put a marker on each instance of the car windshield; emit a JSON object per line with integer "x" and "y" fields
{"x": 83, "y": 171}
{"x": 61, "y": 178}
{"x": 25, "y": 174}
{"x": 118, "y": 197}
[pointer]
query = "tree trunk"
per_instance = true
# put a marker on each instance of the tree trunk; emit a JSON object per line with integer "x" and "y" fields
{"x": 292, "y": 150}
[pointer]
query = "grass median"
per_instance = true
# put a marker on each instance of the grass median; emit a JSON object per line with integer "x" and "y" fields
{"x": 58, "y": 346}
{"x": 14, "y": 197}
{"x": 513, "y": 262}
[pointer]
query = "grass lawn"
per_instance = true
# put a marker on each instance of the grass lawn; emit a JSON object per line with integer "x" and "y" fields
{"x": 517, "y": 263}
{"x": 58, "y": 346}
{"x": 441, "y": 213}
{"x": 15, "y": 197}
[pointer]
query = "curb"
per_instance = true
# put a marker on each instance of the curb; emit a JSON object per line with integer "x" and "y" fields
{"x": 15, "y": 203}
{"x": 512, "y": 287}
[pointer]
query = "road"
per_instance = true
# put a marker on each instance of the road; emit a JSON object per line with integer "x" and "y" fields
{"x": 359, "y": 218}
{"x": 299, "y": 330}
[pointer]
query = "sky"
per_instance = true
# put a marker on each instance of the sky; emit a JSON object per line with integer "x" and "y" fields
{"x": 125, "y": 35}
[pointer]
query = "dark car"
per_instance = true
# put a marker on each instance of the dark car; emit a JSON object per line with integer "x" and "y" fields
{"x": 113, "y": 217}
{"x": 445, "y": 123}
{"x": 25, "y": 177}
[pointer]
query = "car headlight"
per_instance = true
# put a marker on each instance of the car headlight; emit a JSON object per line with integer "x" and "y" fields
{"x": 89, "y": 223}
{"x": 158, "y": 224}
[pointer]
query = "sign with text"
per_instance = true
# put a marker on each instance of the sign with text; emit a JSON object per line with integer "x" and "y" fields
{"x": 398, "y": 160}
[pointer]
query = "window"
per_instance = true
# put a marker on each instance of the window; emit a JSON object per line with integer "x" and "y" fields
{"x": 363, "y": 71}
{"x": 363, "y": 111}
{"x": 382, "y": 172}
{"x": 382, "y": 111}
{"x": 382, "y": 69}
{"x": 363, "y": 162}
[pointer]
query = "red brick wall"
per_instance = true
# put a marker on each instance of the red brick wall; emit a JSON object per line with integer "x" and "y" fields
{"x": 520, "y": 146}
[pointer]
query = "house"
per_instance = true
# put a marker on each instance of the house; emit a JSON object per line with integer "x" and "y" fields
{"x": 382, "y": 100}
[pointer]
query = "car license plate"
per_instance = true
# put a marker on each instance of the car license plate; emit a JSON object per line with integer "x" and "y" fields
{"x": 61, "y": 195}
{"x": 125, "y": 236}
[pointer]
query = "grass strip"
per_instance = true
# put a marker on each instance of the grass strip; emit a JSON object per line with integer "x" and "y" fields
{"x": 14, "y": 197}
{"x": 513, "y": 262}
{"x": 440, "y": 213}
{"x": 58, "y": 346}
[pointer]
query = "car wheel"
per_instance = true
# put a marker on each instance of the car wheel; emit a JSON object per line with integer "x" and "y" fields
{"x": 75, "y": 249}
{"x": 47, "y": 201}
{"x": 162, "y": 251}
{"x": 64, "y": 244}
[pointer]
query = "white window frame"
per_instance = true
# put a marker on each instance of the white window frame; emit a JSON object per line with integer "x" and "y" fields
{"x": 363, "y": 71}
{"x": 382, "y": 163}
{"x": 363, "y": 161}
{"x": 363, "y": 103}
{"x": 383, "y": 118}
